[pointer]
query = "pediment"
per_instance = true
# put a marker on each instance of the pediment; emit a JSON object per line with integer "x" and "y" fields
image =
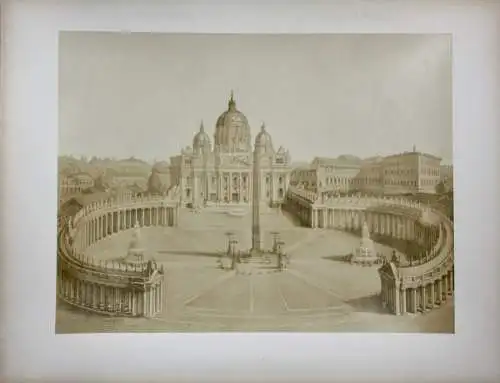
{"x": 389, "y": 269}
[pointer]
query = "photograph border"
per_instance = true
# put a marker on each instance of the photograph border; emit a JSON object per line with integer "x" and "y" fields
{"x": 30, "y": 348}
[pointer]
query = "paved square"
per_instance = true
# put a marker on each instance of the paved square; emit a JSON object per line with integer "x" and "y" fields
{"x": 317, "y": 293}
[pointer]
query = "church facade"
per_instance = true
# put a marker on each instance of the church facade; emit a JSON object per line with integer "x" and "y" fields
{"x": 221, "y": 172}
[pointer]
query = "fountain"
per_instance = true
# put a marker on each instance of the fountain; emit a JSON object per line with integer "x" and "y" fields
{"x": 135, "y": 252}
{"x": 365, "y": 254}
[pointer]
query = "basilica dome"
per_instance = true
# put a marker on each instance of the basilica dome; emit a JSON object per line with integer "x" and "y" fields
{"x": 232, "y": 133}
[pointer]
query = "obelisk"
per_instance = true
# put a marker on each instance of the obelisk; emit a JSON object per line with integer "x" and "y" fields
{"x": 256, "y": 195}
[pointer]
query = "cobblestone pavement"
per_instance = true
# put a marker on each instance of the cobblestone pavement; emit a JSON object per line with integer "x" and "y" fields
{"x": 318, "y": 293}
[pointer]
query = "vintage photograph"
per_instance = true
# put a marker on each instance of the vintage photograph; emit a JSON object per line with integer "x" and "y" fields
{"x": 255, "y": 183}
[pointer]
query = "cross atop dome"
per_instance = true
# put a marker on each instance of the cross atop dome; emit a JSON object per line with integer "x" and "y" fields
{"x": 232, "y": 103}
{"x": 263, "y": 127}
{"x": 202, "y": 127}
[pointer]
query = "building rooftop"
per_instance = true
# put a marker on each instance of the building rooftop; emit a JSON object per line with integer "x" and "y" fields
{"x": 414, "y": 153}
{"x": 343, "y": 160}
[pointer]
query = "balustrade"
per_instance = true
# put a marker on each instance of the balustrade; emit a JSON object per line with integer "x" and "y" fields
{"x": 135, "y": 289}
{"x": 384, "y": 215}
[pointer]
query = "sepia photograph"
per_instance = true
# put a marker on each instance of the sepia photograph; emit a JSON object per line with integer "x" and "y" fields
{"x": 255, "y": 183}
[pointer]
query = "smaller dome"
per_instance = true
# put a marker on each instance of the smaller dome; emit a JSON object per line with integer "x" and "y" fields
{"x": 263, "y": 140}
{"x": 201, "y": 139}
{"x": 161, "y": 167}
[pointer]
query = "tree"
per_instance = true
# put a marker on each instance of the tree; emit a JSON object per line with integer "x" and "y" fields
{"x": 440, "y": 188}
{"x": 154, "y": 183}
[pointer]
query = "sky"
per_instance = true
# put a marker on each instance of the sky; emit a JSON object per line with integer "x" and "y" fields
{"x": 145, "y": 95}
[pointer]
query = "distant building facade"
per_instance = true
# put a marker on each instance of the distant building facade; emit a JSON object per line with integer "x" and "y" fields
{"x": 327, "y": 175}
{"x": 411, "y": 172}
{"x": 74, "y": 183}
{"x": 222, "y": 172}
{"x": 304, "y": 177}
{"x": 335, "y": 175}
{"x": 370, "y": 178}
{"x": 404, "y": 173}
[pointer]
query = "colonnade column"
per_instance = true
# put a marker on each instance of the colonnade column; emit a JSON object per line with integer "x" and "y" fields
{"x": 445, "y": 288}
{"x": 403, "y": 301}
{"x": 414, "y": 300}
{"x": 433, "y": 294}
{"x": 451, "y": 283}
{"x": 112, "y": 229}
{"x": 133, "y": 306}
{"x": 240, "y": 187}
{"x": 95, "y": 296}
{"x": 219, "y": 187}
{"x": 439, "y": 291}
{"x": 397, "y": 307}
{"x": 383, "y": 293}
{"x": 423, "y": 299}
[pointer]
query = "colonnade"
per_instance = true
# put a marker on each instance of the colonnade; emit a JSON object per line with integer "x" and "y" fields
{"x": 114, "y": 300}
{"x": 423, "y": 287}
{"x": 416, "y": 288}
{"x": 396, "y": 221}
{"x": 419, "y": 297}
{"x": 109, "y": 288}
{"x": 105, "y": 223}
